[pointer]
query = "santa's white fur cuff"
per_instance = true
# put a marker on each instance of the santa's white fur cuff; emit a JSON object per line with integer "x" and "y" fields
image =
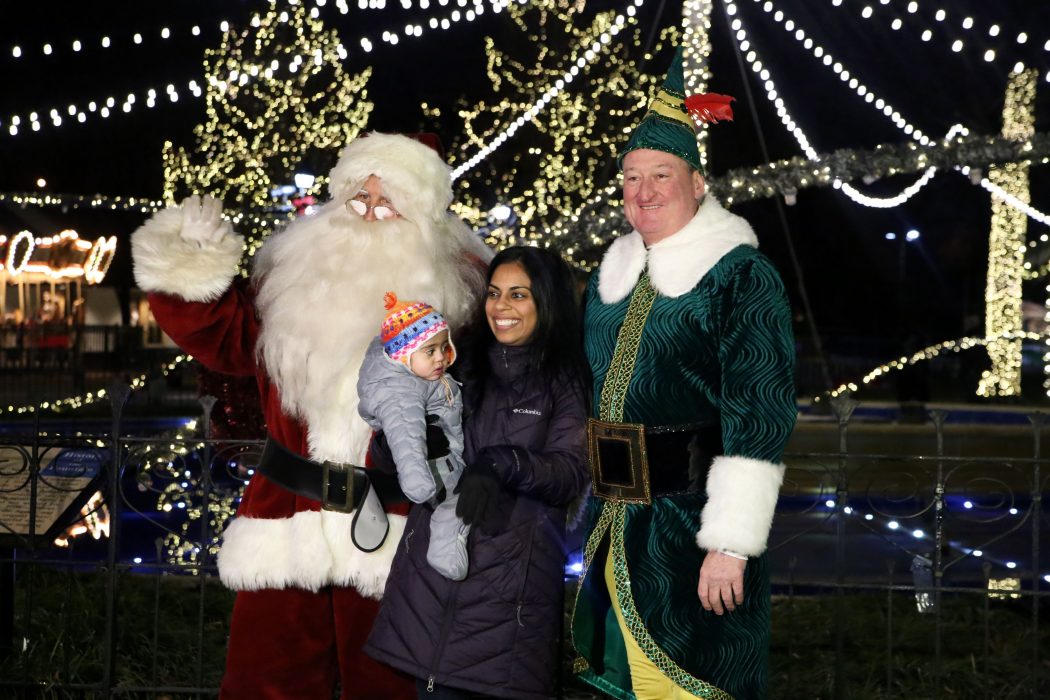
{"x": 165, "y": 262}
{"x": 309, "y": 550}
{"x": 741, "y": 497}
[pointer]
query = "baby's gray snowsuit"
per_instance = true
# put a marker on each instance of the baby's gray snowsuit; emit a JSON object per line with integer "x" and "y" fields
{"x": 396, "y": 401}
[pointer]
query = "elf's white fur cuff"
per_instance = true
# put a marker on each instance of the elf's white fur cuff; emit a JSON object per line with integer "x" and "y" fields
{"x": 165, "y": 262}
{"x": 309, "y": 550}
{"x": 741, "y": 497}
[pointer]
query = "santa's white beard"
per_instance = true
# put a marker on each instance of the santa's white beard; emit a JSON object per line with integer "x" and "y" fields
{"x": 321, "y": 285}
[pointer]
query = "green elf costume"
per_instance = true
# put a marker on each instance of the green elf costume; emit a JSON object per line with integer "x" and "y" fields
{"x": 691, "y": 347}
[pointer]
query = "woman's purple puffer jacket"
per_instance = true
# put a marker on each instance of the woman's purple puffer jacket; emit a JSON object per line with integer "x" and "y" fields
{"x": 496, "y": 632}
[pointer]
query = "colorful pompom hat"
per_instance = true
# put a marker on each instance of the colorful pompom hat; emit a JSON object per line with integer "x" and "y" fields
{"x": 408, "y": 325}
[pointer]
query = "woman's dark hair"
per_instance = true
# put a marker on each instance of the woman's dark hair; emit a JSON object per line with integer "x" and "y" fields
{"x": 556, "y": 345}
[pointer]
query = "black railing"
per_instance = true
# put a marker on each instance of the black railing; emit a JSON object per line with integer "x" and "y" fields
{"x": 892, "y": 553}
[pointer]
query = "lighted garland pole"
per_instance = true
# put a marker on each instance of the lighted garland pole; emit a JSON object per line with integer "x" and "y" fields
{"x": 696, "y": 53}
{"x": 1006, "y": 246}
{"x": 276, "y": 98}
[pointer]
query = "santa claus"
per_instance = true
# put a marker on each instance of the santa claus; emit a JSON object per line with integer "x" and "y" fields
{"x": 307, "y": 593}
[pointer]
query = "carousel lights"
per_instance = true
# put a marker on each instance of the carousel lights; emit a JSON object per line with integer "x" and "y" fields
{"x": 99, "y": 260}
{"x": 19, "y": 250}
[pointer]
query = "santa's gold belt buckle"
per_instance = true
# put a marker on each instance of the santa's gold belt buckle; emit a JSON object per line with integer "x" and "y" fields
{"x": 619, "y": 467}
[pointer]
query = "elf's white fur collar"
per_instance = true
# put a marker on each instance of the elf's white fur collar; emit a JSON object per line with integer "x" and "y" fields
{"x": 677, "y": 262}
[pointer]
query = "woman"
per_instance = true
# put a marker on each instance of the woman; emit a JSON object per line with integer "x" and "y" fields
{"x": 525, "y": 386}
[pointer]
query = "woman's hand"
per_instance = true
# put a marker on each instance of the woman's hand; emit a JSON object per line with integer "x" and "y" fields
{"x": 478, "y": 489}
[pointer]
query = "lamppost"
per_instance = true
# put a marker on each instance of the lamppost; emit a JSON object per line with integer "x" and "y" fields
{"x": 911, "y": 236}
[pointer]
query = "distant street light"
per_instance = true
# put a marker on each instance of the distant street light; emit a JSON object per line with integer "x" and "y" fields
{"x": 912, "y": 235}
{"x": 500, "y": 213}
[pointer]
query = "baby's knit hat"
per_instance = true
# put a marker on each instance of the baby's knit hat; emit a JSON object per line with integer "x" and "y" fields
{"x": 407, "y": 326}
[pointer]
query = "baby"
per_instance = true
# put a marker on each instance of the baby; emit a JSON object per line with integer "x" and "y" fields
{"x": 402, "y": 387}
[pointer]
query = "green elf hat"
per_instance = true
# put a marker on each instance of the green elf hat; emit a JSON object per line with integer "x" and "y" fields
{"x": 670, "y": 123}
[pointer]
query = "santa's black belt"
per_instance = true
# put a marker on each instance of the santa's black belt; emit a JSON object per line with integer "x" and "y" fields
{"x": 635, "y": 463}
{"x": 339, "y": 486}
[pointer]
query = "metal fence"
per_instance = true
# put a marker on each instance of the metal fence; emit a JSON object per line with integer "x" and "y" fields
{"x": 49, "y": 362}
{"x": 897, "y": 571}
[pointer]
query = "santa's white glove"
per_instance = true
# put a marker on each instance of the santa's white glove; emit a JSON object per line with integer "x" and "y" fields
{"x": 202, "y": 221}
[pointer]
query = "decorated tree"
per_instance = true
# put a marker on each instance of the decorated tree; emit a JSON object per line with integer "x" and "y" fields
{"x": 567, "y": 162}
{"x": 277, "y": 99}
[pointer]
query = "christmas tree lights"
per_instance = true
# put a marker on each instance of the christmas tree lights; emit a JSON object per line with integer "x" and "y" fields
{"x": 269, "y": 112}
{"x": 575, "y": 137}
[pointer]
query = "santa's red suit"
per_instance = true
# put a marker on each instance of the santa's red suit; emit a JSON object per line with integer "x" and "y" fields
{"x": 306, "y": 595}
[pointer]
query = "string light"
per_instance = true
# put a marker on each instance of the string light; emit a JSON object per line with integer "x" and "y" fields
{"x": 415, "y": 29}
{"x": 870, "y": 98}
{"x": 73, "y": 403}
{"x": 105, "y": 41}
{"x": 391, "y": 37}
{"x": 941, "y": 16}
{"x": 602, "y": 40}
{"x": 844, "y": 75}
{"x": 102, "y": 108}
{"x": 929, "y": 353}
{"x": 1006, "y": 248}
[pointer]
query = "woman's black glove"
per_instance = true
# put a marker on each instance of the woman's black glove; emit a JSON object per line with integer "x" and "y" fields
{"x": 479, "y": 490}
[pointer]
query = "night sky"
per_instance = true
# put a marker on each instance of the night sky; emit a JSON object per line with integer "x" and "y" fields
{"x": 861, "y": 286}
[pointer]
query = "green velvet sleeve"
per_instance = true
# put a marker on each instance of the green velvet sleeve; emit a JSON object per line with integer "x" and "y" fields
{"x": 757, "y": 357}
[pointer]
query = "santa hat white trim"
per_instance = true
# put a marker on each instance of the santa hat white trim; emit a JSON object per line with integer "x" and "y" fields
{"x": 741, "y": 497}
{"x": 417, "y": 181}
{"x": 309, "y": 550}
{"x": 166, "y": 262}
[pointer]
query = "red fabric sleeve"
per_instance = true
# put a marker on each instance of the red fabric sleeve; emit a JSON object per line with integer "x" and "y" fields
{"x": 220, "y": 334}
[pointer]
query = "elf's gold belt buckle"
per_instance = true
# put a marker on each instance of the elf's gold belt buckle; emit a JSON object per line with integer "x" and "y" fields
{"x": 619, "y": 467}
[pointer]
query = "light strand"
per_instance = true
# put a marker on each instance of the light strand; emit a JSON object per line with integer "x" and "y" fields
{"x": 993, "y": 35}
{"x": 73, "y": 403}
{"x": 596, "y": 49}
{"x": 929, "y": 353}
{"x": 103, "y": 108}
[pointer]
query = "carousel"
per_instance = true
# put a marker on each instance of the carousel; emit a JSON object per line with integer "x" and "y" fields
{"x": 43, "y": 281}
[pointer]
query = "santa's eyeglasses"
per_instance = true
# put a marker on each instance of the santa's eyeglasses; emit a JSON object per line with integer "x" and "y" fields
{"x": 360, "y": 206}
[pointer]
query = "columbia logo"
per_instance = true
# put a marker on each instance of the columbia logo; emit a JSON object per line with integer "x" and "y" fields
{"x": 530, "y": 411}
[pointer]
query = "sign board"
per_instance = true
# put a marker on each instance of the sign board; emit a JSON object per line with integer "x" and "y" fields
{"x": 67, "y": 478}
